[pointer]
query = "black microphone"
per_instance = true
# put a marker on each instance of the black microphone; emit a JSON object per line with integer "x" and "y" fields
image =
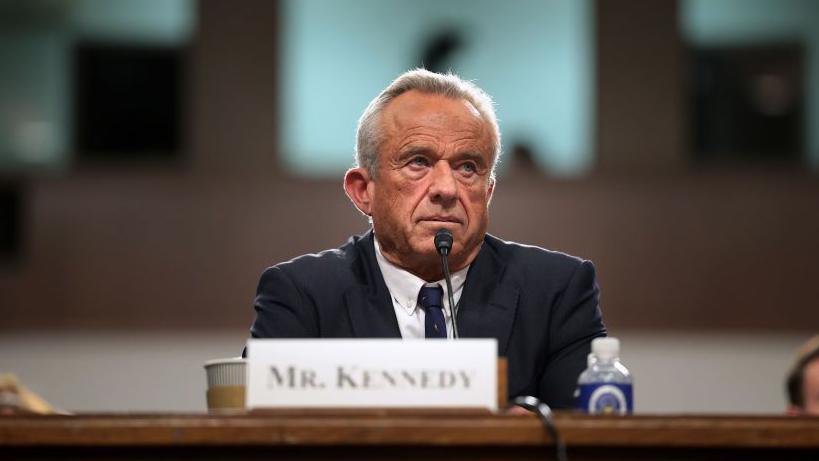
{"x": 443, "y": 243}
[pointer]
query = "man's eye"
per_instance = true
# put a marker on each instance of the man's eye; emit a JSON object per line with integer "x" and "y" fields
{"x": 469, "y": 167}
{"x": 419, "y": 161}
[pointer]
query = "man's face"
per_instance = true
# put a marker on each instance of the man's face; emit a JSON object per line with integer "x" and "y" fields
{"x": 434, "y": 168}
{"x": 810, "y": 388}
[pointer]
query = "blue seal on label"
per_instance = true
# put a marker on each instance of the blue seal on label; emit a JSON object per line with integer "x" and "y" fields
{"x": 605, "y": 398}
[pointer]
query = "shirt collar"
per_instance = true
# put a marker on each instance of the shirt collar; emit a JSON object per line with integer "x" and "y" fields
{"x": 404, "y": 286}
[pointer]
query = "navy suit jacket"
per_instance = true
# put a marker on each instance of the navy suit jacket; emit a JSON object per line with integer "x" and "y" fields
{"x": 541, "y": 306}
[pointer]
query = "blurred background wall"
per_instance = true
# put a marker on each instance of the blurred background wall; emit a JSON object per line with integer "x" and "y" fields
{"x": 156, "y": 156}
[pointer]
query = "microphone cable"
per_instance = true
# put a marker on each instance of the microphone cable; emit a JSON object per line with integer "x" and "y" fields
{"x": 544, "y": 413}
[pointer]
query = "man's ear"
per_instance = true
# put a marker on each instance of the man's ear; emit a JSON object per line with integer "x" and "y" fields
{"x": 490, "y": 191}
{"x": 357, "y": 185}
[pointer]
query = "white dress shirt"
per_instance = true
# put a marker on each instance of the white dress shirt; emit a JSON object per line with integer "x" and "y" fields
{"x": 404, "y": 288}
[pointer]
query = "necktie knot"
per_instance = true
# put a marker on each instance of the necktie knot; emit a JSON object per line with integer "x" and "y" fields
{"x": 431, "y": 298}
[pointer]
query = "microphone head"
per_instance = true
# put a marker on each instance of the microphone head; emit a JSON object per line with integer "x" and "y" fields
{"x": 443, "y": 241}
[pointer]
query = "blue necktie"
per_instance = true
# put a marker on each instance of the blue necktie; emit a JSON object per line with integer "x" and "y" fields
{"x": 431, "y": 299}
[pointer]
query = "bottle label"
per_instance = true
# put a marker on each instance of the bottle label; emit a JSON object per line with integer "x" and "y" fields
{"x": 605, "y": 398}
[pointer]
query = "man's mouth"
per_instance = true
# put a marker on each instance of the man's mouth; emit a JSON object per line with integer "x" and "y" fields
{"x": 441, "y": 219}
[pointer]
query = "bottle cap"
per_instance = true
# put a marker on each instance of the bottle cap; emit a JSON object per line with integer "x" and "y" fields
{"x": 606, "y": 348}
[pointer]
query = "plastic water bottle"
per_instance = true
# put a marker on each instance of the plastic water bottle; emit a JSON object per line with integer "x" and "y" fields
{"x": 605, "y": 387}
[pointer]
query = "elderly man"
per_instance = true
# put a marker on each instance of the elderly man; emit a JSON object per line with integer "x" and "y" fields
{"x": 426, "y": 152}
{"x": 802, "y": 382}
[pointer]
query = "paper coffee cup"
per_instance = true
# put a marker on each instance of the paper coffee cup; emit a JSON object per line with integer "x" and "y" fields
{"x": 226, "y": 383}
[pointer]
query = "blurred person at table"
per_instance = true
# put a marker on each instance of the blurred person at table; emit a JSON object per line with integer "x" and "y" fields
{"x": 427, "y": 148}
{"x": 802, "y": 383}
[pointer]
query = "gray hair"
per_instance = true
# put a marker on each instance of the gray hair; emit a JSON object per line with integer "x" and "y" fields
{"x": 368, "y": 135}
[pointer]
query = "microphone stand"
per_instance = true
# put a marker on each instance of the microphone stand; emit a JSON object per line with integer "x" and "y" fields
{"x": 443, "y": 243}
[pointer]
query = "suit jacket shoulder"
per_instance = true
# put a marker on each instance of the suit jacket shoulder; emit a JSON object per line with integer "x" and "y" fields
{"x": 336, "y": 293}
{"x": 528, "y": 263}
{"x": 328, "y": 268}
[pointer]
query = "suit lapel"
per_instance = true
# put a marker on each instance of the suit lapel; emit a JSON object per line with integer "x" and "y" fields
{"x": 487, "y": 307}
{"x": 369, "y": 303}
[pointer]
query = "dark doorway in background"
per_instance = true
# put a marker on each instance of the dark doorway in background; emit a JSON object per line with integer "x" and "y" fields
{"x": 128, "y": 102}
{"x": 748, "y": 103}
{"x": 11, "y": 209}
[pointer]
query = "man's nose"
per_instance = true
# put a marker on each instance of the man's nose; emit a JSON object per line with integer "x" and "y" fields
{"x": 444, "y": 187}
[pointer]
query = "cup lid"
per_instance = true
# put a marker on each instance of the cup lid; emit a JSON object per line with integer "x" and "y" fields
{"x": 226, "y": 361}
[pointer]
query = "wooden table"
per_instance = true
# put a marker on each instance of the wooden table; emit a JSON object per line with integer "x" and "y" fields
{"x": 430, "y": 435}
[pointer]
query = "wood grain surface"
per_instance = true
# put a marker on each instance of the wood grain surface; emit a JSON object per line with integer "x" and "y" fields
{"x": 405, "y": 427}
{"x": 403, "y": 434}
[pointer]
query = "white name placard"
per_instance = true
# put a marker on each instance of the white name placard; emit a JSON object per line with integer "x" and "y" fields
{"x": 368, "y": 373}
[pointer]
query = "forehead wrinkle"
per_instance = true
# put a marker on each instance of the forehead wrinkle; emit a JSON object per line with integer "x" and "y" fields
{"x": 449, "y": 136}
{"x": 417, "y": 143}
